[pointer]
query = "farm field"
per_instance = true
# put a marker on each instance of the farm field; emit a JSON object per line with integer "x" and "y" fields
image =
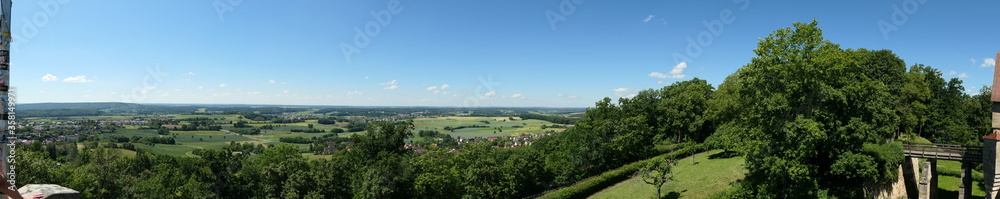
{"x": 503, "y": 123}
{"x": 187, "y": 141}
{"x": 711, "y": 173}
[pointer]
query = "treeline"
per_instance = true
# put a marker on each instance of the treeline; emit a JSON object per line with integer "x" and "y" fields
{"x": 308, "y": 130}
{"x": 246, "y": 131}
{"x": 141, "y": 140}
{"x": 553, "y": 119}
{"x": 59, "y": 112}
{"x": 356, "y": 126}
{"x": 452, "y": 129}
{"x": 258, "y": 110}
{"x": 330, "y": 120}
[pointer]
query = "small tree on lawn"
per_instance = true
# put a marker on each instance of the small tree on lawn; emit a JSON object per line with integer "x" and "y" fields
{"x": 657, "y": 173}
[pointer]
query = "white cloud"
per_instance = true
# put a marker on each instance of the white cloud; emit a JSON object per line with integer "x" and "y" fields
{"x": 571, "y": 96}
{"x": 190, "y": 73}
{"x": 366, "y": 77}
{"x": 392, "y": 85}
{"x": 445, "y": 93}
{"x": 445, "y": 86}
{"x": 270, "y": 81}
{"x": 559, "y": 95}
{"x": 960, "y": 75}
{"x": 222, "y": 85}
{"x": 49, "y": 78}
{"x": 676, "y": 72}
{"x": 201, "y": 87}
{"x": 988, "y": 62}
{"x": 491, "y": 93}
{"x": 432, "y": 88}
{"x": 354, "y": 93}
{"x": 658, "y": 75}
{"x": 393, "y": 82}
{"x": 78, "y": 79}
{"x": 973, "y": 60}
{"x": 437, "y": 91}
{"x": 517, "y": 95}
{"x": 624, "y": 92}
{"x": 678, "y": 69}
{"x": 284, "y": 82}
{"x": 650, "y": 17}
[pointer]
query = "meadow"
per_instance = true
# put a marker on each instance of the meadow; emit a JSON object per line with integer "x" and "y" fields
{"x": 710, "y": 173}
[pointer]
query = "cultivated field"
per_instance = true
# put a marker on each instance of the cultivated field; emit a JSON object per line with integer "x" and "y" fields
{"x": 506, "y": 127}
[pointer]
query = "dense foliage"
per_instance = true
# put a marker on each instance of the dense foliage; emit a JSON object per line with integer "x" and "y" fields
{"x": 817, "y": 117}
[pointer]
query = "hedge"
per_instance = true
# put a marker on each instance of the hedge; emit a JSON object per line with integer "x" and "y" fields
{"x": 592, "y": 185}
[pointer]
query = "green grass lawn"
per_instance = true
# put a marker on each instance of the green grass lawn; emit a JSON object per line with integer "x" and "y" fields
{"x": 948, "y": 184}
{"x": 708, "y": 175}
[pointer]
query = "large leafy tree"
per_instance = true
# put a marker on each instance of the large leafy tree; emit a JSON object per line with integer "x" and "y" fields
{"x": 803, "y": 109}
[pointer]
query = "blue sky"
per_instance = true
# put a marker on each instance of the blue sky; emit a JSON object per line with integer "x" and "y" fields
{"x": 448, "y": 53}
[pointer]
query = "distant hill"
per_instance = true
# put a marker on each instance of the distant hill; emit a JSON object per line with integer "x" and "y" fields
{"x": 81, "y": 105}
{"x": 97, "y": 108}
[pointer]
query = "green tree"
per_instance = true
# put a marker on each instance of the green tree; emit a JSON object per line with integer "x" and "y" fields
{"x": 657, "y": 173}
{"x": 806, "y": 109}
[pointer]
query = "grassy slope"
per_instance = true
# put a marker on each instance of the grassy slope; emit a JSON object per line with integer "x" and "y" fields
{"x": 699, "y": 180}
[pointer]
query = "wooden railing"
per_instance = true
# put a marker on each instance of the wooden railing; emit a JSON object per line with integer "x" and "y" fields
{"x": 943, "y": 151}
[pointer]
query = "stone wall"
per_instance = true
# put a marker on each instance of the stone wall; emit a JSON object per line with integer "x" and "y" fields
{"x": 895, "y": 190}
